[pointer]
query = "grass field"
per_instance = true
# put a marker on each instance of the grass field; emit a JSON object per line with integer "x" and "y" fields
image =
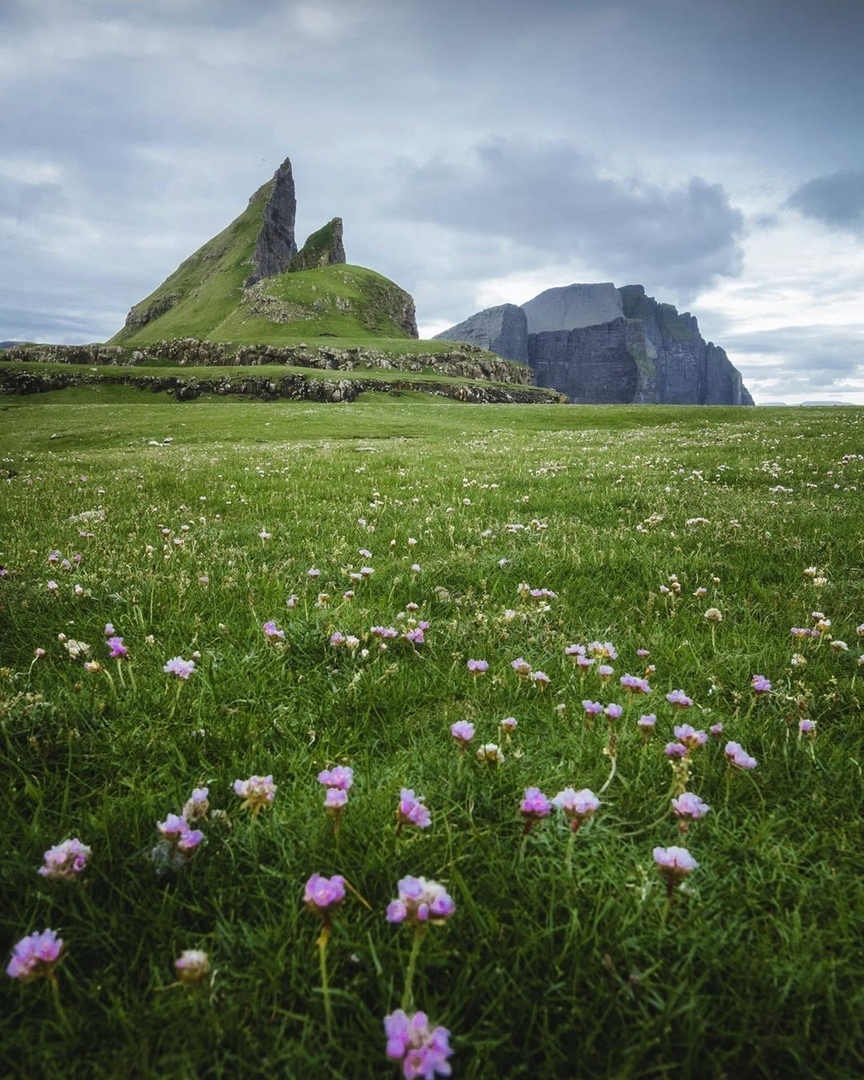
{"x": 514, "y": 533}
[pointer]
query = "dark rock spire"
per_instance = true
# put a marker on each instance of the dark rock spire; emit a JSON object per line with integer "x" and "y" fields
{"x": 276, "y": 245}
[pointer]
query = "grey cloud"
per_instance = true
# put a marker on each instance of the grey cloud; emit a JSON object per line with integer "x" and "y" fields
{"x": 552, "y": 198}
{"x": 836, "y": 200}
{"x": 801, "y": 359}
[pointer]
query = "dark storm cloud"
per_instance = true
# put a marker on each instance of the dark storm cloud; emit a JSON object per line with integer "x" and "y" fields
{"x": 553, "y": 198}
{"x": 836, "y": 200}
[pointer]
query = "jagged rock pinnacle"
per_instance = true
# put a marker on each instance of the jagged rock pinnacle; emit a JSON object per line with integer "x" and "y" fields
{"x": 276, "y": 245}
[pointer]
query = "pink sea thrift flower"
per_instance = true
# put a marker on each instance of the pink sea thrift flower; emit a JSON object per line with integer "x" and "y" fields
{"x": 679, "y": 699}
{"x": 584, "y": 663}
{"x": 421, "y": 1052}
{"x": 179, "y": 667}
{"x": 272, "y": 631}
{"x": 760, "y": 684}
{"x": 738, "y": 757}
{"x": 605, "y": 672}
{"x": 534, "y": 807}
{"x": 521, "y": 667}
{"x": 689, "y": 736}
{"x": 176, "y": 832}
{"x": 635, "y": 685}
{"x": 577, "y": 806}
{"x": 256, "y": 792}
{"x": 689, "y": 807}
{"x": 340, "y": 777}
{"x": 66, "y": 861}
{"x": 647, "y": 723}
{"x": 592, "y": 708}
{"x": 384, "y": 633}
{"x": 416, "y": 635}
{"x": 675, "y": 750}
{"x": 34, "y": 957}
{"x": 613, "y": 711}
{"x": 716, "y": 730}
{"x": 109, "y": 630}
{"x": 411, "y": 811}
{"x": 323, "y": 895}
{"x": 192, "y": 965}
{"x": 118, "y": 649}
{"x": 463, "y": 732}
{"x": 674, "y": 864}
{"x": 807, "y": 727}
{"x": 603, "y": 650}
{"x": 197, "y": 805}
{"x": 478, "y": 667}
{"x": 335, "y": 799}
{"x": 540, "y": 679}
{"x": 420, "y": 901}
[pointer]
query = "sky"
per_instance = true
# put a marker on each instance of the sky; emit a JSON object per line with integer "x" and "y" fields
{"x": 478, "y": 152}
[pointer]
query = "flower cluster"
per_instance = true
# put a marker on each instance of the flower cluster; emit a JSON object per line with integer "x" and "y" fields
{"x": 34, "y": 957}
{"x": 420, "y": 901}
{"x": 411, "y": 810}
{"x": 256, "y": 793}
{"x": 66, "y": 861}
{"x": 422, "y": 1052}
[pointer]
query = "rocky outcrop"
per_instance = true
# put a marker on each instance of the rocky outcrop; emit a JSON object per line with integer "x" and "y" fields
{"x": 467, "y": 362}
{"x": 294, "y": 386}
{"x": 598, "y": 344}
{"x": 276, "y": 246}
{"x": 323, "y": 248}
{"x": 142, "y": 314}
{"x": 502, "y": 330}
{"x": 572, "y": 307}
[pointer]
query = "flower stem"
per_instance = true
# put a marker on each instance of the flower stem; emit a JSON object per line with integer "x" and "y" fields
{"x": 408, "y": 995}
{"x": 323, "y": 938}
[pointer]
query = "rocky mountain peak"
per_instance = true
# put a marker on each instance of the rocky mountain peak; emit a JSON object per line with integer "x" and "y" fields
{"x": 276, "y": 245}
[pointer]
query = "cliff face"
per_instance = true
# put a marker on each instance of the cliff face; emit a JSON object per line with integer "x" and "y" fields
{"x": 275, "y": 245}
{"x": 602, "y": 345}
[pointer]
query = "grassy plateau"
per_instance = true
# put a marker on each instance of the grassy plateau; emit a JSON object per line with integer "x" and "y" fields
{"x": 385, "y": 544}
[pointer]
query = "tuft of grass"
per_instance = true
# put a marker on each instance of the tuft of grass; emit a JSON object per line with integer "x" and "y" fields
{"x": 563, "y": 958}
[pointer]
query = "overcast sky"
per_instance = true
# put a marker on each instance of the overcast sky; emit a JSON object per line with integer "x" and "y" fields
{"x": 478, "y": 151}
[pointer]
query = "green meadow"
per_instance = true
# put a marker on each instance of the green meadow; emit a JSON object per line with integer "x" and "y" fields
{"x": 573, "y": 539}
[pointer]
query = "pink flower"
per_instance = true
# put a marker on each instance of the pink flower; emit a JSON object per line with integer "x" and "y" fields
{"x": 540, "y": 679}
{"x": 197, "y": 804}
{"x": 341, "y": 777}
{"x": 613, "y": 711}
{"x": 679, "y": 699}
{"x": 256, "y": 792}
{"x": 478, "y": 667}
{"x": 423, "y": 1053}
{"x": 675, "y": 750}
{"x": 463, "y": 732}
{"x": 34, "y": 957}
{"x": 66, "y": 861}
{"x": 738, "y": 757}
{"x": 689, "y": 736}
{"x": 521, "y": 667}
{"x": 646, "y": 723}
{"x": 760, "y": 684}
{"x": 411, "y": 810}
{"x": 178, "y": 836}
{"x": 118, "y": 649}
{"x": 384, "y": 633}
{"x": 674, "y": 864}
{"x": 179, "y": 667}
{"x": 272, "y": 631}
{"x": 605, "y": 671}
{"x": 420, "y": 901}
{"x": 635, "y": 685}
{"x": 335, "y": 799}
{"x": 604, "y": 650}
{"x": 584, "y": 663}
{"x": 689, "y": 806}
{"x": 534, "y": 807}
{"x": 716, "y": 730}
{"x": 324, "y": 895}
{"x": 807, "y": 727}
{"x": 592, "y": 708}
{"x": 577, "y": 806}
{"x": 415, "y": 635}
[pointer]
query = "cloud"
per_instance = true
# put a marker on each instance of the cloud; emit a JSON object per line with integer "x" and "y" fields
{"x": 554, "y": 201}
{"x": 836, "y": 200}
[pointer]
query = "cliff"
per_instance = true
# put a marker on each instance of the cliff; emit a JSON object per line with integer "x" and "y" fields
{"x": 602, "y": 345}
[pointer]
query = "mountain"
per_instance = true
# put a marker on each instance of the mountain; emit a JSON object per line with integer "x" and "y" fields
{"x": 251, "y": 285}
{"x": 603, "y": 345}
